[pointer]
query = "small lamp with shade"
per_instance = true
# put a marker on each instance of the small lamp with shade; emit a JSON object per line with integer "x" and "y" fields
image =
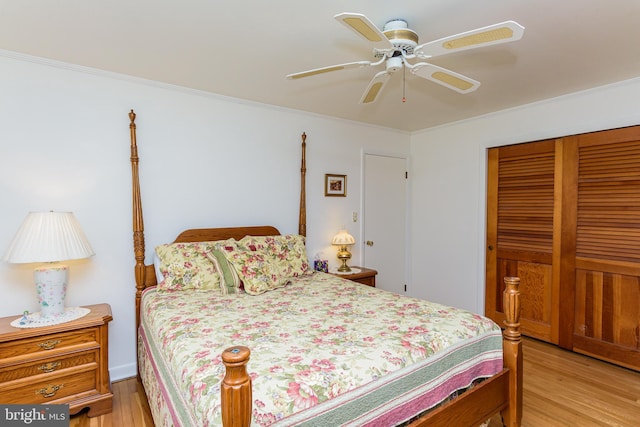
{"x": 50, "y": 237}
{"x": 343, "y": 239}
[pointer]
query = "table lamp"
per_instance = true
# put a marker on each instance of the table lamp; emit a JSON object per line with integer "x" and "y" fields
{"x": 343, "y": 239}
{"x": 49, "y": 237}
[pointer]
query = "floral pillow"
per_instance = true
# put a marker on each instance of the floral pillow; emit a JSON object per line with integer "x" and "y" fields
{"x": 288, "y": 252}
{"x": 230, "y": 282}
{"x": 185, "y": 266}
{"x": 255, "y": 268}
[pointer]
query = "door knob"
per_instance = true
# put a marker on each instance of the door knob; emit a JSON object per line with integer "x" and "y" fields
{"x": 369, "y": 242}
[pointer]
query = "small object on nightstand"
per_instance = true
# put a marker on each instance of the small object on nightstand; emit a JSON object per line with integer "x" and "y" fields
{"x": 321, "y": 265}
{"x": 24, "y": 319}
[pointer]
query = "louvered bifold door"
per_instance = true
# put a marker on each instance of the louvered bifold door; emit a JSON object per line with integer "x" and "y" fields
{"x": 520, "y": 218}
{"x": 607, "y": 306}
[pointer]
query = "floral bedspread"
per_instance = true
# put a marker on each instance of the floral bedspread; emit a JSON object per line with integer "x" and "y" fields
{"x": 324, "y": 351}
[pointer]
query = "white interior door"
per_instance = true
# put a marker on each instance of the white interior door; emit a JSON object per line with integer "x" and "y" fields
{"x": 384, "y": 220}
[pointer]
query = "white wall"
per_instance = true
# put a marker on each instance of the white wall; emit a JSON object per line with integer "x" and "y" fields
{"x": 206, "y": 161}
{"x": 449, "y": 189}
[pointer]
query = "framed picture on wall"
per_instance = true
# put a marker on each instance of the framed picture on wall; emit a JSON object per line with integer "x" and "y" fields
{"x": 335, "y": 185}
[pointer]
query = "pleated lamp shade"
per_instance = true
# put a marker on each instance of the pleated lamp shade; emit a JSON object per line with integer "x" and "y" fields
{"x": 48, "y": 237}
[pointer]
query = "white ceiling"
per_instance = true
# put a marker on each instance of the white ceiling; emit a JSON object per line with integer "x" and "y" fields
{"x": 244, "y": 49}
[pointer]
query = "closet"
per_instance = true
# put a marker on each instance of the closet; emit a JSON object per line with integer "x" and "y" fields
{"x": 564, "y": 215}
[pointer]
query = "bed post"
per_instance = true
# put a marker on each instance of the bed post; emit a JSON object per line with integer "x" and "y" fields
{"x": 302, "y": 220}
{"x": 235, "y": 390}
{"x": 138, "y": 223}
{"x": 512, "y": 348}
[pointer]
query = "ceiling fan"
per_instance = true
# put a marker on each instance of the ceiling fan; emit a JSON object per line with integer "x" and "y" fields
{"x": 397, "y": 44}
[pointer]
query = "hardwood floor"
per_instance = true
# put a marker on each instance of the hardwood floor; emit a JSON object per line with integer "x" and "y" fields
{"x": 561, "y": 389}
{"x": 130, "y": 409}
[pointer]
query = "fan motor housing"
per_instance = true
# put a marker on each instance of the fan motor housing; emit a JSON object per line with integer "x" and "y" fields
{"x": 400, "y": 35}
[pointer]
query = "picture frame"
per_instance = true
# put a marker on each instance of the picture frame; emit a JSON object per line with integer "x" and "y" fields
{"x": 335, "y": 185}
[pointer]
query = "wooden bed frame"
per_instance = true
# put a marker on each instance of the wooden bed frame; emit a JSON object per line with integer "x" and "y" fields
{"x": 500, "y": 393}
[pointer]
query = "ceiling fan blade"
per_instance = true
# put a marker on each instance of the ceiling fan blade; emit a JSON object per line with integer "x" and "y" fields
{"x": 375, "y": 87}
{"x": 444, "y": 77}
{"x": 348, "y": 65}
{"x": 362, "y": 26}
{"x": 493, "y": 34}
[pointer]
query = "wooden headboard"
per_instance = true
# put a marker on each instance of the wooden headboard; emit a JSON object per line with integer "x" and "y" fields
{"x": 145, "y": 273}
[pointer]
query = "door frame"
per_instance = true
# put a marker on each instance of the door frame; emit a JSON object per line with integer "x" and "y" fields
{"x": 407, "y": 224}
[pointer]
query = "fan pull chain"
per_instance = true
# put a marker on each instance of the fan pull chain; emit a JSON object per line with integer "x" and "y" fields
{"x": 404, "y": 79}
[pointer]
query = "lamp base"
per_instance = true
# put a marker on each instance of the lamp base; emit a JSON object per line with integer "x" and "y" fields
{"x": 51, "y": 288}
{"x": 344, "y": 255}
{"x": 344, "y": 268}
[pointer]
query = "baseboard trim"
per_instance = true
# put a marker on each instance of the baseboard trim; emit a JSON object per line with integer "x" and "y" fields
{"x": 123, "y": 372}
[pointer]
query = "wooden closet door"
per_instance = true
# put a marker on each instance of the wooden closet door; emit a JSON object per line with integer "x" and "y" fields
{"x": 607, "y": 289}
{"x": 520, "y": 227}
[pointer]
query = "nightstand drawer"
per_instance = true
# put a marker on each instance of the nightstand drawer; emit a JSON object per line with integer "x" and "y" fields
{"x": 369, "y": 281}
{"x": 52, "y": 343}
{"x": 50, "y": 389}
{"x": 48, "y": 365}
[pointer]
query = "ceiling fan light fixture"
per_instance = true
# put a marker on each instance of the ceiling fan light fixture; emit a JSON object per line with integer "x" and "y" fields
{"x": 394, "y": 64}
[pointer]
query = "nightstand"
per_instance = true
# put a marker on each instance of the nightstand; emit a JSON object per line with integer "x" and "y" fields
{"x": 366, "y": 276}
{"x": 67, "y": 363}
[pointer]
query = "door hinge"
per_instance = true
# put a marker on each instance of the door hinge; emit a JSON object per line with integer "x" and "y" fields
{"x": 406, "y": 175}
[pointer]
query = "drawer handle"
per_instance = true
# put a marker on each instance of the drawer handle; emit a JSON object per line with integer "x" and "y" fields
{"x": 49, "y": 367}
{"x": 49, "y": 344}
{"x": 50, "y": 390}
